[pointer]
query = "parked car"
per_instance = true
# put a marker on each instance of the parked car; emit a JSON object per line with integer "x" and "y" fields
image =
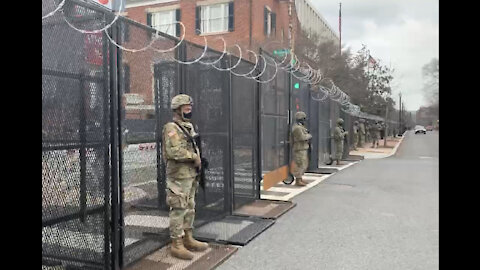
{"x": 420, "y": 129}
{"x": 429, "y": 128}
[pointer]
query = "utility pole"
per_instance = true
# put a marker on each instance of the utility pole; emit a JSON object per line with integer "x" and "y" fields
{"x": 340, "y": 27}
{"x": 385, "y": 129}
{"x": 400, "y": 114}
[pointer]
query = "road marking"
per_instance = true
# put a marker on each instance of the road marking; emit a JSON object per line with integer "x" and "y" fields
{"x": 425, "y": 157}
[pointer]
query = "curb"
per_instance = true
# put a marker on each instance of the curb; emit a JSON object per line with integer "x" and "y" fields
{"x": 396, "y": 146}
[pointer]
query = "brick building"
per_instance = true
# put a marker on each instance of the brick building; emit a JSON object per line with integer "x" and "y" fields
{"x": 248, "y": 23}
{"x": 252, "y": 24}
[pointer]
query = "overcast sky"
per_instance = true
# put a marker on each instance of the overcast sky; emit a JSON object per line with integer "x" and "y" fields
{"x": 403, "y": 32}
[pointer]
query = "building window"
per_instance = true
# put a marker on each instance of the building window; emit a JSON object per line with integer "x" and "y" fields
{"x": 164, "y": 21}
{"x": 270, "y": 22}
{"x": 214, "y": 18}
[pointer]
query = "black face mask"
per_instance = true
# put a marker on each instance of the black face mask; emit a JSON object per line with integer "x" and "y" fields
{"x": 187, "y": 115}
{"x": 302, "y": 121}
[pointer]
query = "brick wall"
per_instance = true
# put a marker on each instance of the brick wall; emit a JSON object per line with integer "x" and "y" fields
{"x": 241, "y": 33}
{"x": 141, "y": 70}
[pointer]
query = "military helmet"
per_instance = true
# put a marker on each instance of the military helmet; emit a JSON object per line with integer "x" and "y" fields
{"x": 300, "y": 115}
{"x": 180, "y": 100}
{"x": 339, "y": 121}
{"x": 362, "y": 120}
{"x": 356, "y": 122}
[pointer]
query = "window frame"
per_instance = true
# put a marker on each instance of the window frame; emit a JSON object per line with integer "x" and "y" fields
{"x": 205, "y": 24}
{"x": 172, "y": 31}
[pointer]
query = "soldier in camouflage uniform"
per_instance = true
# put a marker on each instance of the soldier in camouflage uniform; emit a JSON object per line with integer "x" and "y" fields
{"x": 374, "y": 132}
{"x": 368, "y": 136}
{"x": 339, "y": 137}
{"x": 301, "y": 138}
{"x": 356, "y": 135}
{"x": 183, "y": 161}
{"x": 382, "y": 130}
{"x": 361, "y": 133}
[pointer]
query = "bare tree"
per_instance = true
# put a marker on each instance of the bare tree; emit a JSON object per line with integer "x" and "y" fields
{"x": 430, "y": 73}
{"x": 367, "y": 85}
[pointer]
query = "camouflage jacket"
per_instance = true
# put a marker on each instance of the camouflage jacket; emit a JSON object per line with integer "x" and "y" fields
{"x": 356, "y": 129}
{"x": 339, "y": 134}
{"x": 362, "y": 128}
{"x": 300, "y": 137}
{"x": 179, "y": 153}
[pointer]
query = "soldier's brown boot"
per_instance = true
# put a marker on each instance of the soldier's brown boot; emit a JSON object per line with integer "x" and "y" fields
{"x": 192, "y": 244}
{"x": 179, "y": 251}
{"x": 338, "y": 162}
{"x": 299, "y": 182}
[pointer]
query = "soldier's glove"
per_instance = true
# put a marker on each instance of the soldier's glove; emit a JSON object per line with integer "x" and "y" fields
{"x": 197, "y": 162}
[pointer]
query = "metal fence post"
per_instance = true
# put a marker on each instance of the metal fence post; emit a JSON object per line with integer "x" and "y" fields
{"x": 118, "y": 62}
{"x": 258, "y": 134}
{"x": 116, "y": 249}
{"x": 230, "y": 199}
{"x": 83, "y": 155}
{"x": 107, "y": 138}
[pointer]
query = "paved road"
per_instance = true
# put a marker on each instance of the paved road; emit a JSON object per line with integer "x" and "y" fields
{"x": 378, "y": 214}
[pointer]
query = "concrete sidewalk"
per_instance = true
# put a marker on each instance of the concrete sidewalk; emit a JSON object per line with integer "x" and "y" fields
{"x": 382, "y": 151}
{"x": 284, "y": 192}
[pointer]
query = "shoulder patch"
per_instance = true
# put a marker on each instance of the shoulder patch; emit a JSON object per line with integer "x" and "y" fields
{"x": 172, "y": 133}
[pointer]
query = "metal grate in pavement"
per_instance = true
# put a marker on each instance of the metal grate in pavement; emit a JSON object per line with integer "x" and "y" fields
{"x": 204, "y": 260}
{"x": 265, "y": 209}
{"x": 233, "y": 229}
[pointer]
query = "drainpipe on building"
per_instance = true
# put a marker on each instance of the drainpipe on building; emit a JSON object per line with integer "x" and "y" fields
{"x": 250, "y": 34}
{"x": 292, "y": 31}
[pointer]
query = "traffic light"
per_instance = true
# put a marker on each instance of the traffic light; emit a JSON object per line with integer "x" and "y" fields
{"x": 296, "y": 85}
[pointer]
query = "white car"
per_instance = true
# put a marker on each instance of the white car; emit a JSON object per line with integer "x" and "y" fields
{"x": 420, "y": 129}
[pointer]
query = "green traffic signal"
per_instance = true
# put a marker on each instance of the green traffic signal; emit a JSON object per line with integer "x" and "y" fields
{"x": 297, "y": 85}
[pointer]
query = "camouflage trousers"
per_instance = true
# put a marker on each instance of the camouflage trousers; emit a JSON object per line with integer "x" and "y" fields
{"x": 355, "y": 140}
{"x": 339, "y": 150}
{"x": 375, "y": 138}
{"x": 181, "y": 199}
{"x": 362, "y": 140}
{"x": 301, "y": 162}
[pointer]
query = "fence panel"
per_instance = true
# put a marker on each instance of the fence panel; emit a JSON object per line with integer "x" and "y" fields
{"x": 245, "y": 135}
{"x": 148, "y": 81}
{"x": 210, "y": 90}
{"x": 75, "y": 138}
{"x": 274, "y": 113}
